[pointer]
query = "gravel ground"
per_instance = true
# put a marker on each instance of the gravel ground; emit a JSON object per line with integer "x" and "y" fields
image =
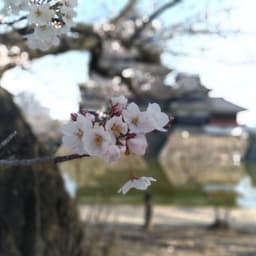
{"x": 176, "y": 231}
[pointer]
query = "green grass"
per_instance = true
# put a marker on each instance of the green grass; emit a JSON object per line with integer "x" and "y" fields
{"x": 104, "y": 190}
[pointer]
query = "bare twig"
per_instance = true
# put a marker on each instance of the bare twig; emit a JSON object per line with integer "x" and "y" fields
{"x": 39, "y": 160}
{"x": 193, "y": 32}
{"x": 155, "y": 14}
{"x": 7, "y": 140}
{"x": 13, "y": 22}
{"x": 85, "y": 39}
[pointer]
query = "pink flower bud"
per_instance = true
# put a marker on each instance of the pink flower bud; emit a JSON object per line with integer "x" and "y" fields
{"x": 118, "y": 104}
{"x": 137, "y": 145}
{"x": 121, "y": 101}
{"x": 116, "y": 110}
{"x": 111, "y": 154}
{"x": 86, "y": 113}
{"x": 73, "y": 116}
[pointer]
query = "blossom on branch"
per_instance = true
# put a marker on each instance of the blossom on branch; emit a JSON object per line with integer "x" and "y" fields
{"x": 44, "y": 37}
{"x": 73, "y": 133}
{"x": 158, "y": 119}
{"x": 121, "y": 130}
{"x": 48, "y": 19}
{"x": 116, "y": 126}
{"x": 40, "y": 14}
{"x": 137, "y": 145}
{"x": 118, "y": 104}
{"x": 96, "y": 140}
{"x": 138, "y": 121}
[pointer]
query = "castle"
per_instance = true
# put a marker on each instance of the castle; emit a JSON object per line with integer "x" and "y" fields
{"x": 188, "y": 101}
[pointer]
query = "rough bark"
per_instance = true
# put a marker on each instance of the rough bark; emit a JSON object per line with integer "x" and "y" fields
{"x": 37, "y": 217}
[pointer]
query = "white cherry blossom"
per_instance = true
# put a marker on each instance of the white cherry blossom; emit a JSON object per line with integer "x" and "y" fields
{"x": 157, "y": 118}
{"x": 96, "y": 140}
{"x": 141, "y": 183}
{"x": 43, "y": 38}
{"x": 70, "y": 3}
{"x": 67, "y": 15}
{"x": 40, "y": 14}
{"x": 138, "y": 122}
{"x": 116, "y": 126}
{"x": 137, "y": 145}
{"x": 73, "y": 133}
{"x": 119, "y": 131}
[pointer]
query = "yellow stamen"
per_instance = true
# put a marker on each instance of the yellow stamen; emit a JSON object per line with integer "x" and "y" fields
{"x": 116, "y": 129}
{"x": 38, "y": 13}
{"x": 98, "y": 139}
{"x": 79, "y": 135}
{"x": 135, "y": 121}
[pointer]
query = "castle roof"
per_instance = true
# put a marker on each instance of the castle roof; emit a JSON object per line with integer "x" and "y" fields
{"x": 186, "y": 83}
{"x": 208, "y": 105}
{"x": 220, "y": 105}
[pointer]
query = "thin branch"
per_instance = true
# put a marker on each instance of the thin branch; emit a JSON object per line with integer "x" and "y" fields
{"x": 124, "y": 12}
{"x": 175, "y": 53}
{"x": 8, "y": 139}
{"x": 192, "y": 31}
{"x": 187, "y": 27}
{"x": 13, "y": 22}
{"x": 155, "y": 14}
{"x": 39, "y": 160}
{"x": 85, "y": 39}
{"x": 204, "y": 32}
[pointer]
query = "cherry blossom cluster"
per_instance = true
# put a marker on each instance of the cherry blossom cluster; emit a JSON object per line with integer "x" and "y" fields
{"x": 122, "y": 130}
{"x": 48, "y": 18}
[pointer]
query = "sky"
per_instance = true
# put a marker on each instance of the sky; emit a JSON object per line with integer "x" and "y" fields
{"x": 226, "y": 64}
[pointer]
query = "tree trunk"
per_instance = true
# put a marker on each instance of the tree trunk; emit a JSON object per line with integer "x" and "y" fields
{"x": 37, "y": 217}
{"x": 148, "y": 208}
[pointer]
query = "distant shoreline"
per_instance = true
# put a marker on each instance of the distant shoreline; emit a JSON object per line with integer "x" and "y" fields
{"x": 168, "y": 215}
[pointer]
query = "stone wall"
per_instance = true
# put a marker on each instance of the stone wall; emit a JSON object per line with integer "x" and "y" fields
{"x": 191, "y": 156}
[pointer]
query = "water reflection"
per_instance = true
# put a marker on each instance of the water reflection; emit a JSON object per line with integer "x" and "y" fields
{"x": 241, "y": 193}
{"x": 246, "y": 193}
{"x": 246, "y": 188}
{"x": 70, "y": 185}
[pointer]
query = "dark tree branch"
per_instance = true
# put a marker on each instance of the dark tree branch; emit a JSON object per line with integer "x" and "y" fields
{"x": 39, "y": 160}
{"x": 6, "y": 141}
{"x": 187, "y": 27}
{"x": 13, "y": 22}
{"x": 84, "y": 38}
{"x": 125, "y": 12}
{"x": 154, "y": 15}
